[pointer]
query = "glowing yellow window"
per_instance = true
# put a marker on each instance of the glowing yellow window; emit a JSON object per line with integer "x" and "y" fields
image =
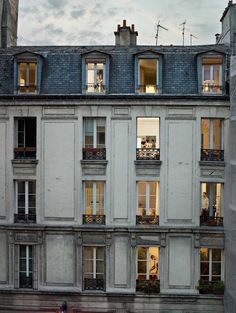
{"x": 212, "y": 74}
{"x": 27, "y": 77}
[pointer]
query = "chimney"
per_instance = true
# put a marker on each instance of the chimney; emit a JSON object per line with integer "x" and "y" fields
{"x": 125, "y": 35}
{"x": 8, "y": 22}
{"x": 217, "y": 37}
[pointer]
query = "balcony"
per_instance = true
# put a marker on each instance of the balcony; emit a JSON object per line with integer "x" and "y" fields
{"x": 147, "y": 154}
{"x": 94, "y": 219}
{"x": 147, "y": 219}
{"x": 25, "y": 153}
{"x": 24, "y": 218}
{"x": 212, "y": 155}
{"x": 26, "y": 282}
{"x": 94, "y": 153}
{"x": 94, "y": 284}
{"x": 206, "y": 220}
{"x": 148, "y": 286}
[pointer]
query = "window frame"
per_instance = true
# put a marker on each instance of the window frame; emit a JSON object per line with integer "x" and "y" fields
{"x": 210, "y": 262}
{"x": 95, "y": 131}
{"x": 94, "y": 197}
{"x": 212, "y": 132}
{"x": 210, "y": 209}
{"x": 27, "y": 84}
{"x": 26, "y": 196}
{"x": 27, "y": 264}
{"x": 147, "y": 260}
{"x": 95, "y": 70}
{"x": 147, "y": 197}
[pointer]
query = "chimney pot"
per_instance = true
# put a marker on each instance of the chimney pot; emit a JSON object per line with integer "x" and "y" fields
{"x": 124, "y": 23}
{"x": 132, "y": 27}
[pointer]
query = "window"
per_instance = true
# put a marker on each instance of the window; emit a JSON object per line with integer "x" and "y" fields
{"x": 94, "y": 202}
{"x": 148, "y": 75}
{"x": 93, "y": 262}
{"x": 94, "y": 139}
{"x": 148, "y": 270}
{"x": 147, "y": 203}
{"x": 211, "y": 204}
{"x": 212, "y": 74}
{"x": 25, "y": 138}
{"x": 211, "y": 265}
{"x": 148, "y": 140}
{"x": 27, "y": 77}
{"x": 95, "y": 81}
{"x": 26, "y": 266}
{"x": 212, "y": 139}
{"x": 25, "y": 201}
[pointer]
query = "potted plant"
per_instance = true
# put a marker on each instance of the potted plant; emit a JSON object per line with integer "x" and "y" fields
{"x": 218, "y": 287}
{"x": 204, "y": 287}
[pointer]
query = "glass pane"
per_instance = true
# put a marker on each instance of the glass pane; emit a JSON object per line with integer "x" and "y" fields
{"x": 216, "y": 77}
{"x": 88, "y": 253}
{"x": 142, "y": 267}
{"x": 205, "y": 133}
{"x": 147, "y": 132}
{"x": 21, "y": 187}
{"x": 142, "y": 253}
{"x": 88, "y": 198}
{"x": 216, "y": 254}
{"x": 22, "y": 79}
{"x": 204, "y": 254}
{"x": 32, "y": 77}
{"x": 216, "y": 268}
{"x": 142, "y": 188}
{"x": 32, "y": 201}
{"x": 21, "y": 201}
{"x": 32, "y": 187}
{"x": 204, "y": 268}
{"x": 22, "y": 251}
{"x": 100, "y": 78}
{"x": 22, "y": 265}
{"x": 88, "y": 126}
{"x": 148, "y": 76}
{"x": 99, "y": 198}
{"x": 217, "y": 134}
{"x": 100, "y": 253}
{"x": 88, "y": 266}
{"x": 100, "y": 267}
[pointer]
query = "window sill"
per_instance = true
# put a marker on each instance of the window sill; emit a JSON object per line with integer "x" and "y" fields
{"x": 94, "y": 167}
{"x": 24, "y": 166}
{"x": 147, "y": 167}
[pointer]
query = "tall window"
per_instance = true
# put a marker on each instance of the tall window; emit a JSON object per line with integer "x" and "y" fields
{"x": 148, "y": 76}
{"x": 27, "y": 77}
{"x": 211, "y": 265}
{"x": 95, "y": 77}
{"x": 94, "y": 268}
{"x": 26, "y": 266}
{"x": 212, "y": 139}
{"x": 147, "y": 263}
{"x": 25, "y": 138}
{"x": 212, "y": 74}
{"x": 25, "y": 201}
{"x": 147, "y": 202}
{"x": 148, "y": 138}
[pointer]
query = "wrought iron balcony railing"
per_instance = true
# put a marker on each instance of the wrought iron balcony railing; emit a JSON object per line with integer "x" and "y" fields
{"x": 211, "y": 220}
{"x": 25, "y": 153}
{"x": 148, "y": 286}
{"x": 94, "y": 153}
{"x": 212, "y": 155}
{"x": 208, "y": 88}
{"x": 148, "y": 88}
{"x": 24, "y": 218}
{"x": 94, "y": 219}
{"x": 26, "y": 282}
{"x": 94, "y": 284}
{"x": 147, "y": 219}
{"x": 147, "y": 154}
{"x": 96, "y": 88}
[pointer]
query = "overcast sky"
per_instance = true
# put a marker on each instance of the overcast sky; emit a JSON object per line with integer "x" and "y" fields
{"x": 93, "y": 22}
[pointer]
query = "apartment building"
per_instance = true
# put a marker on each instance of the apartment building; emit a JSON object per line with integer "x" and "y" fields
{"x": 112, "y": 176}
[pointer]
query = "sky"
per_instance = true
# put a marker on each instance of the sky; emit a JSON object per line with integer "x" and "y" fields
{"x": 93, "y": 22}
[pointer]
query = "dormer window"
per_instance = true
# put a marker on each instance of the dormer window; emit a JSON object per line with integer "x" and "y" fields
{"x": 95, "y": 76}
{"x": 27, "y": 77}
{"x": 212, "y": 78}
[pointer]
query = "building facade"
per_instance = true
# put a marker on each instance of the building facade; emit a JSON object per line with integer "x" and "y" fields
{"x": 112, "y": 177}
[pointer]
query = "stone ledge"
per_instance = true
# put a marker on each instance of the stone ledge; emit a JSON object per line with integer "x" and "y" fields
{"x": 212, "y": 163}
{"x": 93, "y": 167}
{"x": 24, "y": 166}
{"x": 147, "y": 167}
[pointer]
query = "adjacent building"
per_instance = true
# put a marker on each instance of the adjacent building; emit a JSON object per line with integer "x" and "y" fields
{"x": 113, "y": 189}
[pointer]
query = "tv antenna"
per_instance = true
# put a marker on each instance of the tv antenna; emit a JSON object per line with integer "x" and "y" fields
{"x": 183, "y": 29}
{"x": 157, "y": 33}
{"x": 191, "y": 39}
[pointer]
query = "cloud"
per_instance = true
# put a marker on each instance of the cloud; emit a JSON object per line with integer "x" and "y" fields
{"x": 52, "y": 29}
{"x": 56, "y": 4}
{"x": 77, "y": 13}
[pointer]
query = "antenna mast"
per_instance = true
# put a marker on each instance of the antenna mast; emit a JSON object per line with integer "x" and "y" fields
{"x": 191, "y": 39}
{"x": 157, "y": 33}
{"x": 183, "y": 29}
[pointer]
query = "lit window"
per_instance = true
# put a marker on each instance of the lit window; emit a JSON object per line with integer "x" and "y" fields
{"x": 212, "y": 139}
{"x": 211, "y": 265}
{"x": 26, "y": 267}
{"x": 25, "y": 138}
{"x": 147, "y": 202}
{"x": 148, "y": 140}
{"x": 147, "y": 263}
{"x": 27, "y": 77}
{"x": 212, "y": 74}
{"x": 25, "y": 201}
{"x": 95, "y": 77}
{"x": 94, "y": 269}
{"x": 148, "y": 76}
{"x": 94, "y": 198}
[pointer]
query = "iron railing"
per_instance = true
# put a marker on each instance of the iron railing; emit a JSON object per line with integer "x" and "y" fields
{"x": 24, "y": 218}
{"x": 94, "y": 284}
{"x": 212, "y": 155}
{"x": 97, "y": 88}
{"x": 94, "y": 153}
{"x": 26, "y": 282}
{"x": 25, "y": 153}
{"x": 94, "y": 219}
{"x": 147, "y": 219}
{"x": 147, "y": 154}
{"x": 206, "y": 220}
{"x": 148, "y": 286}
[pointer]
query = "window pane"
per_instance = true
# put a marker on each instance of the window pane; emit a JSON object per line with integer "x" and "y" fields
{"x": 147, "y": 132}
{"x": 148, "y": 75}
{"x": 32, "y": 187}
{"x": 100, "y": 267}
{"x": 30, "y": 132}
{"x": 142, "y": 267}
{"x": 217, "y": 134}
{"x": 216, "y": 254}
{"x": 99, "y": 198}
{"x": 204, "y": 268}
{"x": 21, "y": 187}
{"x": 205, "y": 133}
{"x": 204, "y": 254}
{"x": 88, "y": 198}
{"x": 22, "y": 79}
{"x": 88, "y": 253}
{"x": 88, "y": 266}
{"x": 100, "y": 253}
{"x": 88, "y": 126}
{"x": 216, "y": 268}
{"x": 142, "y": 253}
{"x": 32, "y": 77}
{"x": 100, "y": 133}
